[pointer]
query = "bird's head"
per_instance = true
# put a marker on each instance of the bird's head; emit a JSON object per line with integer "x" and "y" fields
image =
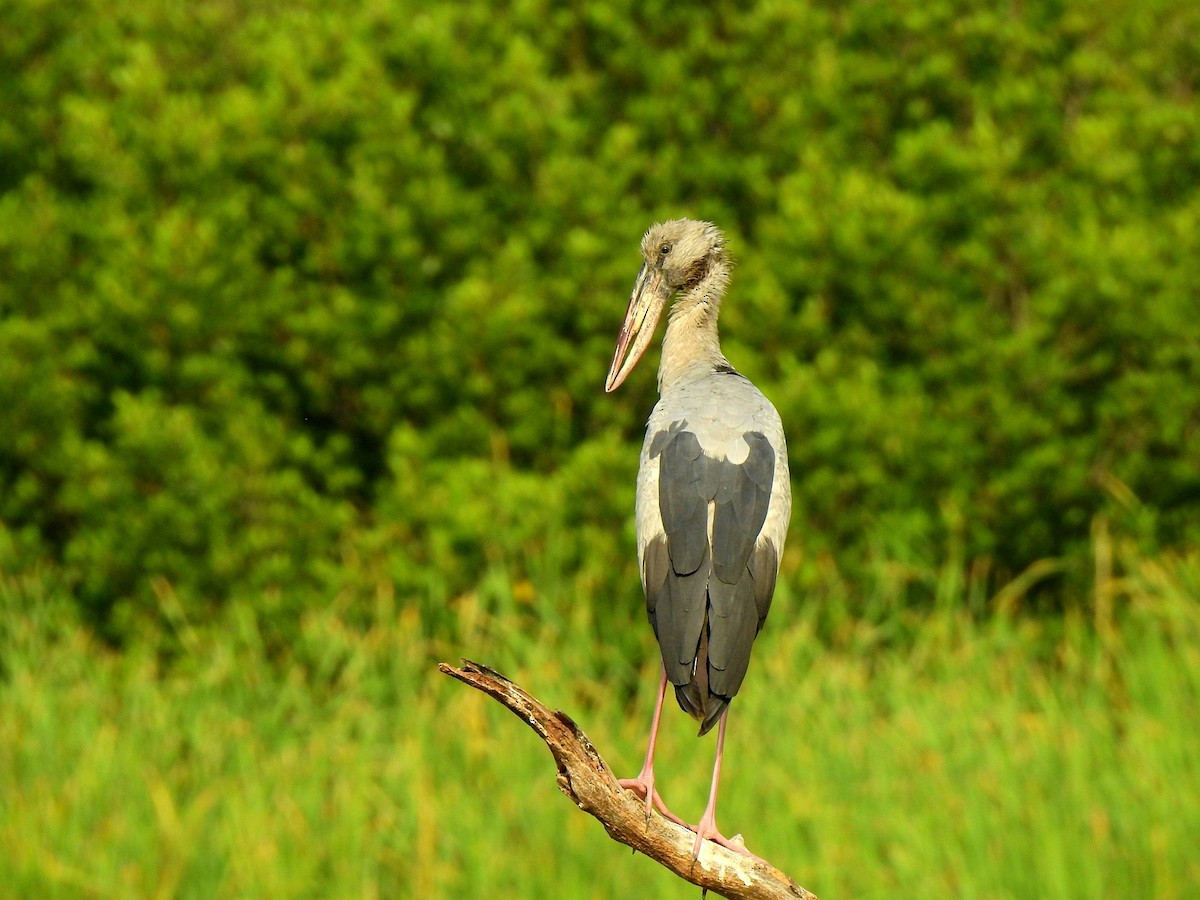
{"x": 675, "y": 256}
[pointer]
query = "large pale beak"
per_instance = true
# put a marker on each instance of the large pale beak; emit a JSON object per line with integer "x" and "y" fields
{"x": 650, "y": 294}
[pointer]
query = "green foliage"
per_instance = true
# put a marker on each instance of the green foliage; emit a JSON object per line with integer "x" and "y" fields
{"x": 979, "y": 758}
{"x": 304, "y": 315}
{"x": 316, "y": 299}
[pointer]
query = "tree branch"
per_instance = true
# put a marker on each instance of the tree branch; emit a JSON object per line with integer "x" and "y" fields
{"x": 586, "y": 778}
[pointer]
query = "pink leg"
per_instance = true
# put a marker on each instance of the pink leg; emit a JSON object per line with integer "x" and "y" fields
{"x": 708, "y": 822}
{"x": 643, "y": 785}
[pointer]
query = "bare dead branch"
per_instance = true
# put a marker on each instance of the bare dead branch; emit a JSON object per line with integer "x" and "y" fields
{"x": 586, "y": 778}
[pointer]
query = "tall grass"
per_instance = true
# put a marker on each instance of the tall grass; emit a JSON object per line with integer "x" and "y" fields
{"x": 939, "y": 754}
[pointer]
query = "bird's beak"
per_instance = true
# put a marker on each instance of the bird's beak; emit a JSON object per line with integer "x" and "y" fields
{"x": 650, "y": 294}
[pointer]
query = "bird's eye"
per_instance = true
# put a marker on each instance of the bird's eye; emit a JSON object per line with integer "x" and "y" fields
{"x": 664, "y": 249}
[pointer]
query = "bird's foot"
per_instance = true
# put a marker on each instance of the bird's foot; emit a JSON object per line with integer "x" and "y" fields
{"x": 645, "y": 789}
{"x": 707, "y": 831}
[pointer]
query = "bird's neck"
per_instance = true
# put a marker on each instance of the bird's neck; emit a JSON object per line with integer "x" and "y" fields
{"x": 692, "y": 347}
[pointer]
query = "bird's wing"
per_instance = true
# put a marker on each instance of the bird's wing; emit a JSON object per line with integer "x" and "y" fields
{"x": 705, "y": 493}
{"x": 740, "y": 509}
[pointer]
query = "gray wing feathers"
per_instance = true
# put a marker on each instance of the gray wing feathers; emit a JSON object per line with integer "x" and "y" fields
{"x": 737, "y": 524}
{"x": 687, "y": 601}
{"x": 676, "y": 605}
{"x": 741, "y": 507}
{"x": 764, "y": 568}
{"x": 656, "y": 566}
{"x": 726, "y": 581}
{"x": 732, "y": 628}
{"x": 682, "y": 474}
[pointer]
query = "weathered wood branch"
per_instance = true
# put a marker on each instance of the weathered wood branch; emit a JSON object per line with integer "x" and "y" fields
{"x": 586, "y": 778}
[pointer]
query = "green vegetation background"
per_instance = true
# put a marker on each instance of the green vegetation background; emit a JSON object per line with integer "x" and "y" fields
{"x": 304, "y": 315}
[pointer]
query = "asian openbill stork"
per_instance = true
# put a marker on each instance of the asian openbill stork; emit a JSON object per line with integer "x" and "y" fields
{"x": 713, "y": 492}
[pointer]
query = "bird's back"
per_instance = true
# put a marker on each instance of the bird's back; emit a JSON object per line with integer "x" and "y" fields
{"x": 713, "y": 504}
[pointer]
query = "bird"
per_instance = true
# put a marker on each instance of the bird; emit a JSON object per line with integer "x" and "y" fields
{"x": 713, "y": 493}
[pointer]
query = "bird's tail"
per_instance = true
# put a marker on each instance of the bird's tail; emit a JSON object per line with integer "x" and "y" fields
{"x": 695, "y": 698}
{"x": 707, "y": 709}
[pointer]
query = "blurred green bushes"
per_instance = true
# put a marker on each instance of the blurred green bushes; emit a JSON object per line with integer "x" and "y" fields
{"x": 316, "y": 299}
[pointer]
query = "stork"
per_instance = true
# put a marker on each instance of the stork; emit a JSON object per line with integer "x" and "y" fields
{"x": 713, "y": 493}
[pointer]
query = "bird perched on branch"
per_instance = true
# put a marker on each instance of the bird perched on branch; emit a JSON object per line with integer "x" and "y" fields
{"x": 713, "y": 492}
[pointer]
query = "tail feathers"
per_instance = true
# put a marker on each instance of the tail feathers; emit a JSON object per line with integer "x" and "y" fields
{"x": 703, "y": 706}
{"x": 695, "y": 697}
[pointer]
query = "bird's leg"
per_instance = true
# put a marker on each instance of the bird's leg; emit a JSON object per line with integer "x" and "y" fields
{"x": 643, "y": 785}
{"x": 708, "y": 822}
